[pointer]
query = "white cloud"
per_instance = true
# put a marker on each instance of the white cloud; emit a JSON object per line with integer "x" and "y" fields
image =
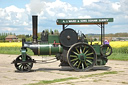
{"x": 28, "y": 8}
{"x": 61, "y": 15}
{"x": 28, "y": 29}
{"x": 86, "y": 16}
{"x": 35, "y": 6}
{"x": 89, "y": 2}
{"x": 124, "y": 6}
{"x": 25, "y": 23}
{"x": 9, "y": 29}
{"x": 48, "y": 12}
{"x": 18, "y": 15}
{"x": 13, "y": 8}
{"x": 59, "y": 9}
{"x": 116, "y": 6}
{"x": 61, "y": 6}
{"x": 126, "y": 16}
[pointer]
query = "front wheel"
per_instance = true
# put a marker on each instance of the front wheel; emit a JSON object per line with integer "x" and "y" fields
{"x": 23, "y": 66}
{"x": 81, "y": 57}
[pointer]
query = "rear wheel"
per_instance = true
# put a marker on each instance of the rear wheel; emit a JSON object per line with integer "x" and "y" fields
{"x": 81, "y": 57}
{"x": 23, "y": 66}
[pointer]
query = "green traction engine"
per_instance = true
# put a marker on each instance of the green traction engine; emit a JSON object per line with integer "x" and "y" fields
{"x": 70, "y": 47}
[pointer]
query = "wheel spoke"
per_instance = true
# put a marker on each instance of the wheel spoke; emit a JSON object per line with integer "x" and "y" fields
{"x": 83, "y": 49}
{"x": 85, "y": 63}
{"x": 89, "y": 57}
{"x": 18, "y": 64}
{"x": 27, "y": 66}
{"x": 80, "y": 50}
{"x": 77, "y": 50}
{"x": 89, "y": 54}
{"x": 73, "y": 56}
{"x": 89, "y": 61}
{"x": 19, "y": 58}
{"x": 75, "y": 63}
{"x": 79, "y": 64}
{"x": 108, "y": 50}
{"x": 82, "y": 66}
{"x": 86, "y": 52}
{"x": 74, "y": 59}
{"x": 20, "y": 67}
{"x": 23, "y": 67}
{"x": 75, "y": 53}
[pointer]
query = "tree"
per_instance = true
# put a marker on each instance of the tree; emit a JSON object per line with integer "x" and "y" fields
{"x": 27, "y": 36}
{"x": 95, "y": 39}
{"x": 21, "y": 36}
{"x": 51, "y": 32}
{"x": 56, "y": 32}
{"x": 47, "y": 31}
{"x": 39, "y": 36}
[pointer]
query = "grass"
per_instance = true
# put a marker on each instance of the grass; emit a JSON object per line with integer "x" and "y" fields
{"x": 10, "y": 50}
{"x": 120, "y": 50}
{"x": 118, "y": 53}
{"x": 119, "y": 56}
{"x": 44, "y": 82}
{"x": 96, "y": 80}
{"x": 100, "y": 74}
{"x": 124, "y": 82}
{"x": 13, "y": 50}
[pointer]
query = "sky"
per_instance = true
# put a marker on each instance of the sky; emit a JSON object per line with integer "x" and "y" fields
{"x": 16, "y": 15}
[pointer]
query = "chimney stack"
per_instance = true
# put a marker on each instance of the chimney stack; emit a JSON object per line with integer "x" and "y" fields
{"x": 34, "y": 26}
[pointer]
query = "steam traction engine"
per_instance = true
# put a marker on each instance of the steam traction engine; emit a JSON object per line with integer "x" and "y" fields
{"x": 69, "y": 47}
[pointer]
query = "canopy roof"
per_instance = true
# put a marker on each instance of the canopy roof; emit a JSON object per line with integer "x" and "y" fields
{"x": 83, "y": 21}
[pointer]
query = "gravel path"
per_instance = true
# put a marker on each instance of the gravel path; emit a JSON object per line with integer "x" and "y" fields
{"x": 50, "y": 71}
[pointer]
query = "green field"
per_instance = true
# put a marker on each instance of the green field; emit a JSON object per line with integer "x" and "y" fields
{"x": 118, "y": 53}
{"x": 13, "y": 50}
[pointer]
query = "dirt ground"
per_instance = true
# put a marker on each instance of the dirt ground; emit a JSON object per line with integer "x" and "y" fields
{"x": 50, "y": 71}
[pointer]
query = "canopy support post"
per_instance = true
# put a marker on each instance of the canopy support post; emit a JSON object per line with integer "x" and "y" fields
{"x": 63, "y": 26}
{"x": 102, "y": 33}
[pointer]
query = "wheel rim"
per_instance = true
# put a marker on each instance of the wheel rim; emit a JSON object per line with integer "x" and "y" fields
{"x": 23, "y": 66}
{"x": 81, "y": 57}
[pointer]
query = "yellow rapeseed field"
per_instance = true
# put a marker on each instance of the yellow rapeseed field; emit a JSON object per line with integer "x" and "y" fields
{"x": 115, "y": 44}
{"x": 118, "y": 44}
{"x": 11, "y": 44}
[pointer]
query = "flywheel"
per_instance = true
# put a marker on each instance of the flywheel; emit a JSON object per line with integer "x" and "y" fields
{"x": 68, "y": 37}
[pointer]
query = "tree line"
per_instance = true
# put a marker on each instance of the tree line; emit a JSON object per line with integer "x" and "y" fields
{"x": 4, "y": 35}
{"x": 109, "y": 35}
{"x": 28, "y": 37}
{"x": 117, "y": 35}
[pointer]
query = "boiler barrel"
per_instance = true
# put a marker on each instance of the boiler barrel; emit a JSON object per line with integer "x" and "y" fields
{"x": 44, "y": 49}
{"x": 49, "y": 49}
